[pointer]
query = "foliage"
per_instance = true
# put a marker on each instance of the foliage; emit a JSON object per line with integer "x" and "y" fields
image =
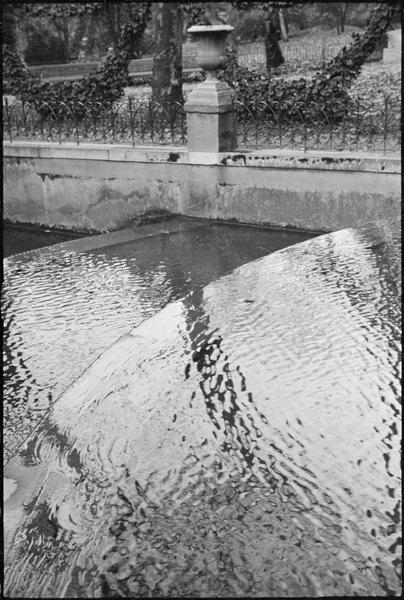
{"x": 194, "y": 13}
{"x": 328, "y": 90}
{"x": 341, "y": 71}
{"x": 95, "y": 92}
{"x": 372, "y": 85}
{"x": 102, "y": 88}
{"x": 110, "y": 21}
{"x": 62, "y": 10}
{"x": 272, "y": 27}
{"x": 250, "y": 26}
{"x": 45, "y": 48}
{"x": 100, "y": 21}
{"x": 16, "y": 76}
{"x": 8, "y": 29}
{"x": 358, "y": 13}
{"x": 247, "y": 5}
{"x": 333, "y": 14}
{"x": 203, "y": 13}
{"x": 45, "y": 20}
{"x": 303, "y": 16}
{"x": 309, "y": 51}
{"x": 326, "y": 96}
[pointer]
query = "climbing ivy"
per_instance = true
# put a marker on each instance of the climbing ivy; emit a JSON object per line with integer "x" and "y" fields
{"x": 323, "y": 97}
{"x": 53, "y": 10}
{"x": 342, "y": 70}
{"x": 326, "y": 96}
{"x": 89, "y": 94}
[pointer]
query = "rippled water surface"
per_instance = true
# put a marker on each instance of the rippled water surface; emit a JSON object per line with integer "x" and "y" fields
{"x": 62, "y": 307}
{"x": 241, "y": 441}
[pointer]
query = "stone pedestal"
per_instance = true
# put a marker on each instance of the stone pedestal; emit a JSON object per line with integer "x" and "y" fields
{"x": 211, "y": 118}
{"x": 393, "y": 52}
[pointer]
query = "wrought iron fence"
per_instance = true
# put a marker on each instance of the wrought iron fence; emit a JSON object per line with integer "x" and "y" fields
{"x": 129, "y": 122}
{"x": 365, "y": 127}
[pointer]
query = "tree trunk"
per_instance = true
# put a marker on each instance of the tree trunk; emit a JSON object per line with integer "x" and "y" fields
{"x": 344, "y": 10}
{"x": 62, "y": 31}
{"x": 65, "y": 35}
{"x": 78, "y": 34}
{"x": 286, "y": 18}
{"x": 118, "y": 18}
{"x": 273, "y": 52}
{"x": 167, "y": 59}
{"x": 111, "y": 14}
{"x": 283, "y": 25}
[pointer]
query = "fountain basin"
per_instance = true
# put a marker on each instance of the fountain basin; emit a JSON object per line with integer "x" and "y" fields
{"x": 246, "y": 420}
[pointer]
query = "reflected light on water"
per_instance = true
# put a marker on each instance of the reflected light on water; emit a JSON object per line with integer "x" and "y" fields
{"x": 61, "y": 308}
{"x": 242, "y": 441}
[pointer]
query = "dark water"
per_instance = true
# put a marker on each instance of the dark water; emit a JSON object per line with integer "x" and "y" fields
{"x": 242, "y": 441}
{"x": 21, "y": 239}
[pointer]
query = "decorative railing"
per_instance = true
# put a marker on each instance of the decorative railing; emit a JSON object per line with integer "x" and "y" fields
{"x": 365, "y": 127}
{"x": 129, "y": 122}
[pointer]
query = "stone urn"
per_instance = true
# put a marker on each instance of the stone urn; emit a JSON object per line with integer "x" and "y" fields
{"x": 211, "y": 118}
{"x": 211, "y": 45}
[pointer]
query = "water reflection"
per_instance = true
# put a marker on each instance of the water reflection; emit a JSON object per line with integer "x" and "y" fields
{"x": 244, "y": 441}
{"x": 70, "y": 306}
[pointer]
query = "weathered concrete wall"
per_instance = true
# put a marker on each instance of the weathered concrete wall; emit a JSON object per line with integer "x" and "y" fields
{"x": 97, "y": 187}
{"x": 314, "y": 200}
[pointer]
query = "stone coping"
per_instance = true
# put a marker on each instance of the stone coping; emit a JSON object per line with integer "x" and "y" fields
{"x": 122, "y": 236}
{"x": 331, "y": 160}
{"x": 94, "y": 151}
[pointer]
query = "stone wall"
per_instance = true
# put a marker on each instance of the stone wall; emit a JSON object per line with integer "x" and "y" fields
{"x": 105, "y": 187}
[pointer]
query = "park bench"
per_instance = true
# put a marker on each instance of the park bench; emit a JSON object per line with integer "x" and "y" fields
{"x": 138, "y": 67}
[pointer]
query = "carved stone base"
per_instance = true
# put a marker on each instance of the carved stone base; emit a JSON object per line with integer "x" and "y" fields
{"x": 211, "y": 132}
{"x": 211, "y": 118}
{"x": 210, "y": 95}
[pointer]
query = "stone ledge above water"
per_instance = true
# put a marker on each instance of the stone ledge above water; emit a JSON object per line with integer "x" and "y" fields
{"x": 110, "y": 152}
{"x": 315, "y": 159}
{"x": 329, "y": 160}
{"x": 103, "y": 188}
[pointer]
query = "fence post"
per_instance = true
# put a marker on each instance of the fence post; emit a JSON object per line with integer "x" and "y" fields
{"x": 211, "y": 124}
{"x": 385, "y": 124}
{"x": 8, "y": 119}
{"x": 131, "y": 120}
